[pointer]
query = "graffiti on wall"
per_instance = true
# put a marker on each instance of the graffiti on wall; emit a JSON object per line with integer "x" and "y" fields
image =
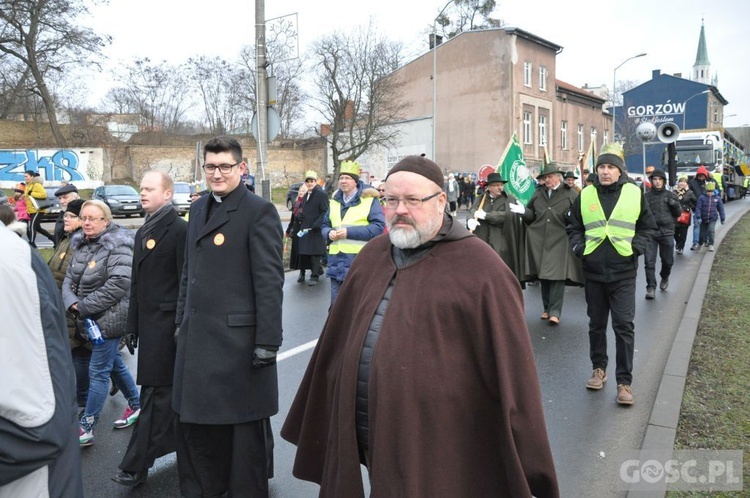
{"x": 52, "y": 165}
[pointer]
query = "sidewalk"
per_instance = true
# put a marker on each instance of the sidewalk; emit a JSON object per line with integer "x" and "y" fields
{"x": 661, "y": 429}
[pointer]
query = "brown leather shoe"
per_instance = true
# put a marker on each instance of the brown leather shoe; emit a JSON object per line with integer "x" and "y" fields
{"x": 553, "y": 320}
{"x": 597, "y": 380}
{"x": 624, "y": 394}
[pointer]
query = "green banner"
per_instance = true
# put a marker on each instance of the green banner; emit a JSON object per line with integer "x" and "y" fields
{"x": 512, "y": 168}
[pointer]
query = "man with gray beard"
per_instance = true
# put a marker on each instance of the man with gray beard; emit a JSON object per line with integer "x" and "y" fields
{"x": 453, "y": 371}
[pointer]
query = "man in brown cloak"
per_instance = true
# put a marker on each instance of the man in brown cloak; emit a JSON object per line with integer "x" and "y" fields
{"x": 436, "y": 393}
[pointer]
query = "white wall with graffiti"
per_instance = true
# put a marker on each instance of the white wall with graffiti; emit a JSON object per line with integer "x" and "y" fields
{"x": 83, "y": 167}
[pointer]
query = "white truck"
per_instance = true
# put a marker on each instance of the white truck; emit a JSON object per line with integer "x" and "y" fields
{"x": 722, "y": 154}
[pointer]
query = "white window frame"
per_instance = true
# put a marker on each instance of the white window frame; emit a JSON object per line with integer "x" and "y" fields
{"x": 527, "y": 128}
{"x": 580, "y": 138}
{"x": 606, "y": 137}
{"x": 542, "y": 127}
{"x": 542, "y": 78}
{"x": 527, "y": 73}
{"x": 564, "y": 135}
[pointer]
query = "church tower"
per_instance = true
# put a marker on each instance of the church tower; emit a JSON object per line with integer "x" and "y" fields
{"x": 701, "y": 67}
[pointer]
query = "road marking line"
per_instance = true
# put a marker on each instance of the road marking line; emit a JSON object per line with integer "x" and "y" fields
{"x": 297, "y": 350}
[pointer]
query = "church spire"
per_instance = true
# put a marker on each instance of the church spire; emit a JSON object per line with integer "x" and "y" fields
{"x": 702, "y": 67}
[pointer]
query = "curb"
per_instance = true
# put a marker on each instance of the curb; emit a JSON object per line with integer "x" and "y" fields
{"x": 661, "y": 430}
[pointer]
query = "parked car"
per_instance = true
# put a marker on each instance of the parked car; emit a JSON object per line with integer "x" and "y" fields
{"x": 54, "y": 208}
{"x": 291, "y": 195}
{"x": 181, "y": 197}
{"x": 123, "y": 200}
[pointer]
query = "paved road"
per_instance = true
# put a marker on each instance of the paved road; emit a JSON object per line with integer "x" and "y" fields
{"x": 586, "y": 428}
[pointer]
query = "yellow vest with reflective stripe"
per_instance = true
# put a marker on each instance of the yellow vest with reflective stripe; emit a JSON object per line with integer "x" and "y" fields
{"x": 619, "y": 228}
{"x": 355, "y": 216}
{"x": 719, "y": 180}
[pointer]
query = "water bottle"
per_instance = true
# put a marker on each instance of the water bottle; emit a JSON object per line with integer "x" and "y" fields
{"x": 93, "y": 331}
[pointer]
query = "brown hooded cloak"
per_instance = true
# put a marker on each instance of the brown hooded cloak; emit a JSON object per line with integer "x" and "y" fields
{"x": 454, "y": 399}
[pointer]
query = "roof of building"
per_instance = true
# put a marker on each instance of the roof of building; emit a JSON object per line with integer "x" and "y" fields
{"x": 567, "y": 87}
{"x": 532, "y": 37}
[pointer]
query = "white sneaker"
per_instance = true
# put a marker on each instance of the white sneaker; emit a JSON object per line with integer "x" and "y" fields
{"x": 711, "y": 248}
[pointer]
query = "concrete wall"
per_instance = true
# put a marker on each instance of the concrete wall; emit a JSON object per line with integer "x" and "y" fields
{"x": 22, "y": 147}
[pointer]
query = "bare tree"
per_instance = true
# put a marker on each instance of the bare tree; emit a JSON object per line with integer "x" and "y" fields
{"x": 287, "y": 67}
{"x": 356, "y": 96}
{"x": 614, "y": 96}
{"x": 467, "y": 15}
{"x": 157, "y": 92}
{"x": 47, "y": 35}
{"x": 223, "y": 90}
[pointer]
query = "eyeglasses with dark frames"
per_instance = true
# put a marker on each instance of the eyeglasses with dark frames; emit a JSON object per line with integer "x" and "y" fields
{"x": 409, "y": 202}
{"x": 223, "y": 168}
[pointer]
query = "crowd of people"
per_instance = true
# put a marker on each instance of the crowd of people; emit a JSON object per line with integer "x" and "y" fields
{"x": 201, "y": 300}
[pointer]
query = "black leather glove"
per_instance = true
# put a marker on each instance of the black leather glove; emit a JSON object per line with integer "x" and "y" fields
{"x": 263, "y": 358}
{"x": 131, "y": 342}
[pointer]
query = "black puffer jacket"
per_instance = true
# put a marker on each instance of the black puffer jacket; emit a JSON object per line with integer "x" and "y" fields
{"x": 605, "y": 264}
{"x": 98, "y": 278}
{"x": 665, "y": 207}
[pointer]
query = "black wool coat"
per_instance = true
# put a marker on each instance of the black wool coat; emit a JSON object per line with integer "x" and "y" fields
{"x": 314, "y": 209}
{"x": 158, "y": 258}
{"x": 231, "y": 294}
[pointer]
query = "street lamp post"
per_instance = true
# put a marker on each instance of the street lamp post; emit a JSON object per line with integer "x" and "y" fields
{"x": 434, "y": 80}
{"x": 614, "y": 92}
{"x": 684, "y": 105}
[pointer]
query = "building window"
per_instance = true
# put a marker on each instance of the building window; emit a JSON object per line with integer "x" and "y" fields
{"x": 580, "y": 138}
{"x": 564, "y": 135}
{"x": 542, "y": 130}
{"x": 606, "y": 137}
{"x": 716, "y": 115}
{"x": 527, "y": 127}
{"x": 593, "y": 131}
{"x": 543, "y": 78}
{"x": 527, "y": 73}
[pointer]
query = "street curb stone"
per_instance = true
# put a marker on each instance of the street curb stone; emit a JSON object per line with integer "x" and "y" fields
{"x": 661, "y": 430}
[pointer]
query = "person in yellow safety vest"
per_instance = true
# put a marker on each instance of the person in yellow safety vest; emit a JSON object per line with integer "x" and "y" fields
{"x": 718, "y": 175}
{"x": 610, "y": 225}
{"x": 354, "y": 217}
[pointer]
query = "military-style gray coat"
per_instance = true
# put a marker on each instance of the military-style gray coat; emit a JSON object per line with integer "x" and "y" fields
{"x": 548, "y": 254}
{"x": 154, "y": 288}
{"x": 230, "y": 301}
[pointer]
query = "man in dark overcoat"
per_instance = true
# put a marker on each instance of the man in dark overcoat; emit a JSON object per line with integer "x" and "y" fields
{"x": 312, "y": 244}
{"x": 158, "y": 257}
{"x": 491, "y": 219}
{"x": 229, "y": 319}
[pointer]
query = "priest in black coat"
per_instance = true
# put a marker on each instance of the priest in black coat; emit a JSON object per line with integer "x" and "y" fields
{"x": 229, "y": 318}
{"x": 158, "y": 258}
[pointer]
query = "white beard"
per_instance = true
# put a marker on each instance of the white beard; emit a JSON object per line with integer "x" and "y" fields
{"x": 413, "y": 237}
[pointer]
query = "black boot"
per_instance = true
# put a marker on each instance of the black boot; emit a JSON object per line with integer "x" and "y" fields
{"x": 301, "y": 277}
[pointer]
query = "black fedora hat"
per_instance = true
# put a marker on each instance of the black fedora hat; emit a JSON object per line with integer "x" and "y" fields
{"x": 571, "y": 174}
{"x": 495, "y": 178}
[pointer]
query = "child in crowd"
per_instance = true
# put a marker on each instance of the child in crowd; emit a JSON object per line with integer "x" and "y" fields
{"x": 707, "y": 211}
{"x": 19, "y": 206}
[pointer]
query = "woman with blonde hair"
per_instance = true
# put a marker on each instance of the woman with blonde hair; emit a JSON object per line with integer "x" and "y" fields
{"x": 97, "y": 287}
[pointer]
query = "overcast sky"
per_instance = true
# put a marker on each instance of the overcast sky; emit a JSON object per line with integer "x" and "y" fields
{"x": 596, "y": 35}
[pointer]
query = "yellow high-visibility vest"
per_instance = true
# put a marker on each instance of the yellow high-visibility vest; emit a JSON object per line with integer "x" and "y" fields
{"x": 355, "y": 216}
{"x": 619, "y": 228}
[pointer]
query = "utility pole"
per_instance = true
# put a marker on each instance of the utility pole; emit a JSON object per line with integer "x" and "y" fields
{"x": 261, "y": 97}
